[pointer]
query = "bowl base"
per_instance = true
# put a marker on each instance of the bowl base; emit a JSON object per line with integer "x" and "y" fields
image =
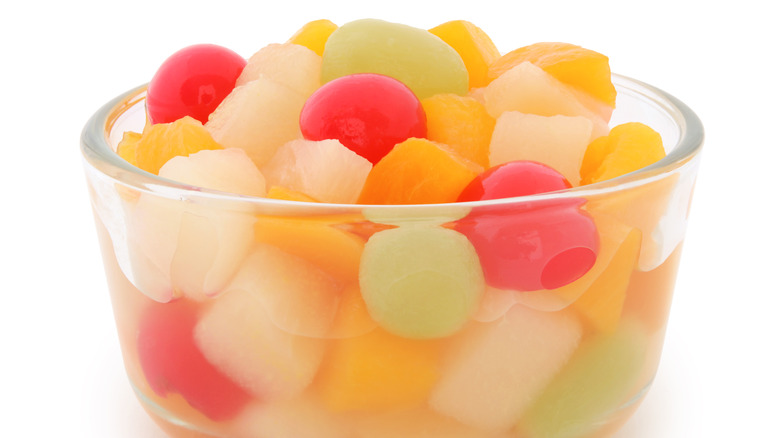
{"x": 168, "y": 422}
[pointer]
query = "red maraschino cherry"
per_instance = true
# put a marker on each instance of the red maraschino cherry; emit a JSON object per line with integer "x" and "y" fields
{"x": 368, "y": 113}
{"x": 192, "y": 82}
{"x": 544, "y": 245}
{"x": 172, "y": 362}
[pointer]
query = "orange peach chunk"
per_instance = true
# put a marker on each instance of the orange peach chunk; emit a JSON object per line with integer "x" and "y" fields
{"x": 461, "y": 123}
{"x": 335, "y": 251}
{"x": 418, "y": 171}
{"x": 628, "y": 147}
{"x": 570, "y": 64}
{"x": 378, "y": 371}
{"x": 602, "y": 303}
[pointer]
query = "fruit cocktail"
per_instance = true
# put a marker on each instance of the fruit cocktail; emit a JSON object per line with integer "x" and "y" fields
{"x": 372, "y": 230}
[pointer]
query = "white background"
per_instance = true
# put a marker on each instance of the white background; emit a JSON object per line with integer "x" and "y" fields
{"x": 60, "y": 367}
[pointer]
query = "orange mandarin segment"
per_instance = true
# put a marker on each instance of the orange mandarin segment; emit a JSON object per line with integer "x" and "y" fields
{"x": 378, "y": 371}
{"x": 462, "y": 123}
{"x": 473, "y": 45}
{"x": 602, "y": 303}
{"x": 313, "y": 35}
{"x": 333, "y": 250}
{"x": 573, "y": 65}
{"x": 628, "y": 147}
{"x": 418, "y": 171}
{"x": 127, "y": 146}
{"x": 162, "y": 141}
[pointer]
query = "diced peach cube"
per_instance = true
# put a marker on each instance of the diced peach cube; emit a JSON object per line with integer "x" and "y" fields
{"x": 628, "y": 147}
{"x": 418, "y": 171}
{"x": 462, "y": 123}
{"x": 378, "y": 371}
{"x": 602, "y": 303}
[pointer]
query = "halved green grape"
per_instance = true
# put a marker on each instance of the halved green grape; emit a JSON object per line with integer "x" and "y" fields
{"x": 421, "y": 282}
{"x": 416, "y": 57}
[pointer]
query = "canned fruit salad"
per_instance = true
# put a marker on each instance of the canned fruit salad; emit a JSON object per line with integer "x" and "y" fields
{"x": 376, "y": 230}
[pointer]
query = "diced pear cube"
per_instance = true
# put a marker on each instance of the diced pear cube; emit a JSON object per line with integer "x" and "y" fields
{"x": 496, "y": 370}
{"x": 288, "y": 64}
{"x": 236, "y": 335}
{"x": 325, "y": 170}
{"x": 557, "y": 141}
{"x": 258, "y": 117}
{"x": 529, "y": 89}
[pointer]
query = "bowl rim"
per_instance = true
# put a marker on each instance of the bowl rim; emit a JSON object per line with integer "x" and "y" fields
{"x": 99, "y": 155}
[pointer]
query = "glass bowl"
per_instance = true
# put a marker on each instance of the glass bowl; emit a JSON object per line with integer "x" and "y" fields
{"x": 249, "y": 317}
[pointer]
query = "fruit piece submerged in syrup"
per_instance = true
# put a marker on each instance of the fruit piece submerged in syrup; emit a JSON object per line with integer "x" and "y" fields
{"x": 545, "y": 245}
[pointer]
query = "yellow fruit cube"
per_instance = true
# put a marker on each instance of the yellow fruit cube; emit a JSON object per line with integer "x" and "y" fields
{"x": 628, "y": 147}
{"x": 378, "y": 371}
{"x": 418, "y": 171}
{"x": 313, "y": 35}
{"x": 602, "y": 303}
{"x": 335, "y": 251}
{"x": 462, "y": 123}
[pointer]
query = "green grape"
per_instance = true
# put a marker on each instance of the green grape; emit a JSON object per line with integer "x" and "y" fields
{"x": 420, "y": 282}
{"x": 416, "y": 57}
{"x": 594, "y": 384}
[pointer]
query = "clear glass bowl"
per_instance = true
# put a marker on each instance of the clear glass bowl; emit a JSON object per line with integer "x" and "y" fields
{"x": 249, "y": 317}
